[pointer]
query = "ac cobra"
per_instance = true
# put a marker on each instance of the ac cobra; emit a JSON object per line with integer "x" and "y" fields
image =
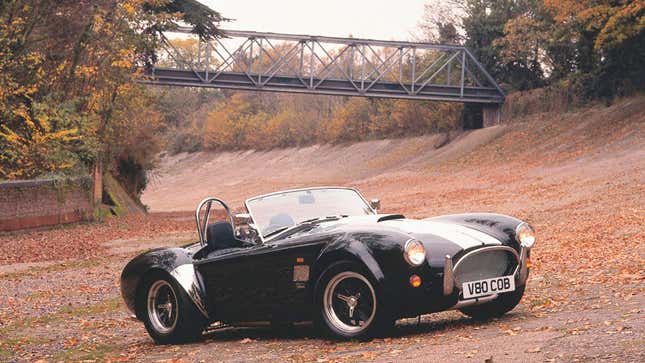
{"x": 329, "y": 256}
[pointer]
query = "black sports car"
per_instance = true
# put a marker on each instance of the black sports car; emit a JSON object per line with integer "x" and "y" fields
{"x": 327, "y": 255}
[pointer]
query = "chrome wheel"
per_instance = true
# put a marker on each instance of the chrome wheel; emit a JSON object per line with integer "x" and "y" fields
{"x": 162, "y": 307}
{"x": 349, "y": 302}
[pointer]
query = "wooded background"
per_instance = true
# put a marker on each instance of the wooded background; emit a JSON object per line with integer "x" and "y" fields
{"x": 69, "y": 96}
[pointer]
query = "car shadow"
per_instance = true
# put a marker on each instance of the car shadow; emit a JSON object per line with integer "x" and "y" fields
{"x": 433, "y": 323}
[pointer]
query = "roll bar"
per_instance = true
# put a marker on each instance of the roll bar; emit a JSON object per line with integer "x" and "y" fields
{"x": 201, "y": 227}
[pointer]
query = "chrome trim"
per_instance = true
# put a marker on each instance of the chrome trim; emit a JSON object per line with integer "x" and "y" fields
{"x": 448, "y": 278}
{"x": 246, "y": 203}
{"x": 155, "y": 309}
{"x": 485, "y": 249}
{"x": 518, "y": 239}
{"x": 201, "y": 227}
{"x": 187, "y": 278}
{"x": 249, "y": 324}
{"x": 522, "y": 269}
{"x": 330, "y": 314}
{"x": 375, "y": 203}
{"x": 449, "y": 282}
{"x": 406, "y": 257}
{"x": 470, "y": 302}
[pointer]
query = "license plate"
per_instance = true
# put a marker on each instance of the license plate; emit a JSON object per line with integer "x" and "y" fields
{"x": 472, "y": 289}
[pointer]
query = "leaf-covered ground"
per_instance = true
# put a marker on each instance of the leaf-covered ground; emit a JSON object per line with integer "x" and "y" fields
{"x": 579, "y": 179}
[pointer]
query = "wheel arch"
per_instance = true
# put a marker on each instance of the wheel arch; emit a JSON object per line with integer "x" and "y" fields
{"x": 346, "y": 250}
{"x": 174, "y": 263}
{"x": 352, "y": 252}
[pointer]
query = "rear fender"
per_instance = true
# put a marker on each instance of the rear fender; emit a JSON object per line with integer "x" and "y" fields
{"x": 176, "y": 262}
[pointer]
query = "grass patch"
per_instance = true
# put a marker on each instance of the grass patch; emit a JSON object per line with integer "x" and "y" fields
{"x": 6, "y": 354}
{"x": 636, "y": 343}
{"x": 539, "y": 302}
{"x": 17, "y": 341}
{"x": 9, "y": 346}
{"x": 60, "y": 266}
{"x": 85, "y": 352}
{"x": 105, "y": 306}
{"x": 39, "y": 295}
{"x": 27, "y": 323}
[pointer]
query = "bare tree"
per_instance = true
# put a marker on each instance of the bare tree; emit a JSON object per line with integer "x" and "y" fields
{"x": 442, "y": 21}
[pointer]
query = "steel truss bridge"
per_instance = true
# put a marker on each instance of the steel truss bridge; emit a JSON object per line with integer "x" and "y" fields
{"x": 256, "y": 61}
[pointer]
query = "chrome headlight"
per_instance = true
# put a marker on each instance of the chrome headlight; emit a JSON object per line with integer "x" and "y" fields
{"x": 525, "y": 235}
{"x": 414, "y": 252}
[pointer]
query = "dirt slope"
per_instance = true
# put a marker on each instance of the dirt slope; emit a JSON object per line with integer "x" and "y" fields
{"x": 593, "y": 144}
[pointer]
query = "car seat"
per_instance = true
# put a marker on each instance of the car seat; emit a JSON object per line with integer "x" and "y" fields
{"x": 220, "y": 236}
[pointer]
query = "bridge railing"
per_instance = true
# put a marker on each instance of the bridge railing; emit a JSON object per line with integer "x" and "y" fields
{"x": 325, "y": 65}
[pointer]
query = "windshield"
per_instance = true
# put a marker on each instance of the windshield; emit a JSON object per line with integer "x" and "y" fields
{"x": 281, "y": 210}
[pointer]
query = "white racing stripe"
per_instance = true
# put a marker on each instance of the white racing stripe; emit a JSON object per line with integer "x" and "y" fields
{"x": 463, "y": 236}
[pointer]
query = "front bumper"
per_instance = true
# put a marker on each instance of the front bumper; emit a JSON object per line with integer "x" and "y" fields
{"x": 440, "y": 290}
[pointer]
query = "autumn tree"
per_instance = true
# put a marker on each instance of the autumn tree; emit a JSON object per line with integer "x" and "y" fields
{"x": 609, "y": 38}
{"x": 68, "y": 83}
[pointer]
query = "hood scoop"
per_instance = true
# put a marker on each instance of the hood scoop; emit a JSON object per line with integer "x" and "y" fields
{"x": 389, "y": 217}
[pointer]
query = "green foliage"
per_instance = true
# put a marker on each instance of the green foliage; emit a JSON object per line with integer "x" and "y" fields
{"x": 597, "y": 45}
{"x": 517, "y": 66}
{"x": 204, "y": 19}
{"x": 68, "y": 91}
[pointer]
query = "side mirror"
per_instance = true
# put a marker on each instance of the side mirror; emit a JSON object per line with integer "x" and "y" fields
{"x": 375, "y": 204}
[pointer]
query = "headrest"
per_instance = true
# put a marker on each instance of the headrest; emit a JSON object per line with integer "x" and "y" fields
{"x": 219, "y": 235}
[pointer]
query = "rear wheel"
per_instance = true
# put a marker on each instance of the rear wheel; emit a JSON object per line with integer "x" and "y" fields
{"x": 496, "y": 308}
{"x": 169, "y": 316}
{"x": 349, "y": 307}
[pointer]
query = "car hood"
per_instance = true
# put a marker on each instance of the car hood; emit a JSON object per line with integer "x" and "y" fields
{"x": 461, "y": 235}
{"x": 430, "y": 231}
{"x": 440, "y": 238}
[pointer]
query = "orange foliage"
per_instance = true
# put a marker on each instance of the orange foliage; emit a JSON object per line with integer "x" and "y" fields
{"x": 614, "y": 21}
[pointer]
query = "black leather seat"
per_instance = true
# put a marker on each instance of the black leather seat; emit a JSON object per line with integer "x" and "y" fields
{"x": 220, "y": 236}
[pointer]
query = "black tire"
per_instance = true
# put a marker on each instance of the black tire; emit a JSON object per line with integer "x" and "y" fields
{"x": 496, "y": 308}
{"x": 186, "y": 325}
{"x": 334, "y": 318}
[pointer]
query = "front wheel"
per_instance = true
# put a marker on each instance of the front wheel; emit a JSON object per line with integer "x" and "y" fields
{"x": 170, "y": 317}
{"x": 349, "y": 307}
{"x": 496, "y": 308}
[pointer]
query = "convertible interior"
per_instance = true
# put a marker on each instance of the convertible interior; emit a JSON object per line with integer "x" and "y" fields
{"x": 221, "y": 240}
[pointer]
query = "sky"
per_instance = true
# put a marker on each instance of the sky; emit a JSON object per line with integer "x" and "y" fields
{"x": 372, "y": 19}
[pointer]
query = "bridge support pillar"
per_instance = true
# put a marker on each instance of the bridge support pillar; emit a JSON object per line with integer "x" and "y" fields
{"x": 491, "y": 114}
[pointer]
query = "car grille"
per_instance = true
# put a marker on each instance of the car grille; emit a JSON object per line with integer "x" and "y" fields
{"x": 484, "y": 264}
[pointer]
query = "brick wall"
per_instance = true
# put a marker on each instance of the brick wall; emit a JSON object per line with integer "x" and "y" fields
{"x": 37, "y": 203}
